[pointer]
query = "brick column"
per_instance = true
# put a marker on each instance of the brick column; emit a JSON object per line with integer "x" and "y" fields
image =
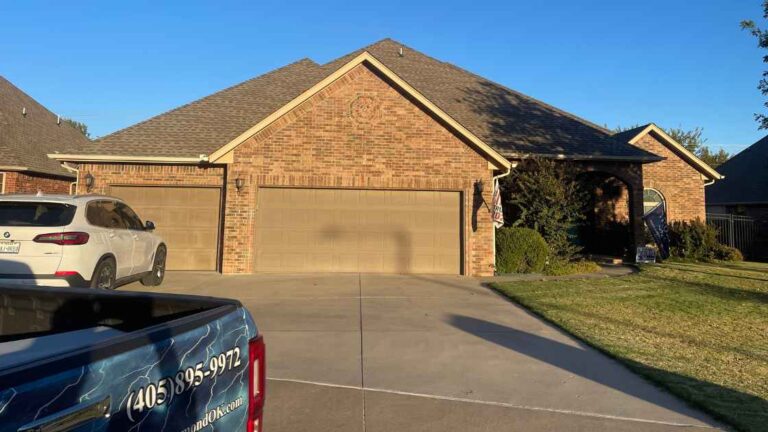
{"x": 636, "y": 218}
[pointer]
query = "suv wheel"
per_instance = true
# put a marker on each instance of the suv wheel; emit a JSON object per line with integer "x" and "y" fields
{"x": 104, "y": 275}
{"x": 155, "y": 277}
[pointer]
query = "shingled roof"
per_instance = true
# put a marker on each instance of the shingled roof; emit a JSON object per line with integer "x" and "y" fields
{"x": 746, "y": 178}
{"x": 25, "y": 139}
{"x": 513, "y": 124}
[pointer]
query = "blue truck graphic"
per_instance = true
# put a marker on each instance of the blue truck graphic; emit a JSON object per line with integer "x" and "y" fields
{"x": 86, "y": 360}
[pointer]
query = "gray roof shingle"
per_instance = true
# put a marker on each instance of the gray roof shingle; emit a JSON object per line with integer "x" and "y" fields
{"x": 508, "y": 121}
{"x": 26, "y": 139}
{"x": 746, "y": 178}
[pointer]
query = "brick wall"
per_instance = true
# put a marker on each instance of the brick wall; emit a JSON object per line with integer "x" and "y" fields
{"x": 357, "y": 133}
{"x": 679, "y": 183}
{"x": 31, "y": 183}
{"x": 105, "y": 175}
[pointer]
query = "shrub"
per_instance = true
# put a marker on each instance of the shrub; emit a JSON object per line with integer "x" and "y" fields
{"x": 695, "y": 240}
{"x": 558, "y": 267}
{"x": 520, "y": 250}
{"x": 544, "y": 195}
{"x": 728, "y": 253}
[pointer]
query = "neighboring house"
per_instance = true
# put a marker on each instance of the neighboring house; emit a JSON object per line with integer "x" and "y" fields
{"x": 28, "y": 131}
{"x": 379, "y": 161}
{"x": 744, "y": 192}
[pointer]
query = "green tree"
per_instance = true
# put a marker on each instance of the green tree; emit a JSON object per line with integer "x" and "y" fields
{"x": 545, "y": 195}
{"x": 82, "y": 127}
{"x": 762, "y": 42}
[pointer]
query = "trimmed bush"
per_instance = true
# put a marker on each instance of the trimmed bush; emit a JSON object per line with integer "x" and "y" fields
{"x": 728, "y": 253}
{"x": 695, "y": 240}
{"x": 520, "y": 250}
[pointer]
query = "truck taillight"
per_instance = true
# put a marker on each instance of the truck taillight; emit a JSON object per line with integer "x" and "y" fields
{"x": 257, "y": 378}
{"x": 63, "y": 238}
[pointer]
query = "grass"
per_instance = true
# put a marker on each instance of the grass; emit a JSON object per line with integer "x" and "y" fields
{"x": 698, "y": 330}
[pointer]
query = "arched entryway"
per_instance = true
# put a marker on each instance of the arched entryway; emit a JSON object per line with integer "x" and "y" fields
{"x": 606, "y": 229}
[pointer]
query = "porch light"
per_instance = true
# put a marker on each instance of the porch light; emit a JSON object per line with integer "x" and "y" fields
{"x": 89, "y": 181}
{"x": 239, "y": 183}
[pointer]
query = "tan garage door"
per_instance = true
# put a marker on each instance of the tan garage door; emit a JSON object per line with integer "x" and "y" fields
{"x": 336, "y": 230}
{"x": 186, "y": 217}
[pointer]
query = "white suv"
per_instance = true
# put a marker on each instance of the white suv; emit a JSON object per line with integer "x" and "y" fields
{"x": 83, "y": 241}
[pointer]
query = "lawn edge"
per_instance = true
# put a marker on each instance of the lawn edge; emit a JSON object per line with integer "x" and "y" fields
{"x": 624, "y": 361}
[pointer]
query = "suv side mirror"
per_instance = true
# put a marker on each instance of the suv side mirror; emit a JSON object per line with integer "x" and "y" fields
{"x": 149, "y": 226}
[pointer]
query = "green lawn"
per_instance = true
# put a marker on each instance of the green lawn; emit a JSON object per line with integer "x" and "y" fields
{"x": 700, "y": 330}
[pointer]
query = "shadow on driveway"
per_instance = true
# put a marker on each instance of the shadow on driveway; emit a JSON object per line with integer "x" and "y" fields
{"x": 588, "y": 364}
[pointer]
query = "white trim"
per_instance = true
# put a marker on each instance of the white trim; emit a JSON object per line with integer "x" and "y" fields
{"x": 116, "y": 158}
{"x": 676, "y": 146}
{"x": 2, "y": 184}
{"x": 500, "y": 161}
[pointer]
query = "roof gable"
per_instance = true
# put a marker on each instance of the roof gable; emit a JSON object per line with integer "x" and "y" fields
{"x": 28, "y": 131}
{"x": 634, "y": 135}
{"x": 366, "y": 58}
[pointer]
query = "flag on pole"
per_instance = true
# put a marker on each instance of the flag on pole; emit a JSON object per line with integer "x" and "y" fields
{"x": 497, "y": 212}
{"x": 656, "y": 220}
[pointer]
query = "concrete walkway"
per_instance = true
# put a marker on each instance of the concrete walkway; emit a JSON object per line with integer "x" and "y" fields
{"x": 351, "y": 352}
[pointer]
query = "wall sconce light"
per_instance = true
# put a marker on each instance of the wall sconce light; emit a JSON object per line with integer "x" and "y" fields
{"x": 239, "y": 183}
{"x": 89, "y": 181}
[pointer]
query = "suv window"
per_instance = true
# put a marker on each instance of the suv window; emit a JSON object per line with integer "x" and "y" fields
{"x": 131, "y": 218}
{"x": 104, "y": 214}
{"x": 38, "y": 214}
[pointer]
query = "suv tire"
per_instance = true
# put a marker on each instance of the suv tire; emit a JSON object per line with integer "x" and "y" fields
{"x": 104, "y": 274}
{"x": 156, "y": 276}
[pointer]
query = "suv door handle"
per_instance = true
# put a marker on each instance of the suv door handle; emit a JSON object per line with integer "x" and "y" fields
{"x": 71, "y": 418}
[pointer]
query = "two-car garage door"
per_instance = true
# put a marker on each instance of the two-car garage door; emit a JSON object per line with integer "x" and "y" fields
{"x": 341, "y": 230}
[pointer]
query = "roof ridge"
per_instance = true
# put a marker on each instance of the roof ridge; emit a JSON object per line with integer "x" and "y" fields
{"x": 523, "y": 95}
{"x": 218, "y": 92}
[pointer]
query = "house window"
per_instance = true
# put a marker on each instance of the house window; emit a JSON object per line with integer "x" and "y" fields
{"x": 651, "y": 199}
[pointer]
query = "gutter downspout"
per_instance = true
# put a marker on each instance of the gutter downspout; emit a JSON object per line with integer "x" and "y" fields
{"x": 512, "y": 166}
{"x": 77, "y": 178}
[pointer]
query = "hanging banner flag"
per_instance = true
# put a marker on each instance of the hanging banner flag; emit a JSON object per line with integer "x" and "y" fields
{"x": 656, "y": 220}
{"x": 497, "y": 212}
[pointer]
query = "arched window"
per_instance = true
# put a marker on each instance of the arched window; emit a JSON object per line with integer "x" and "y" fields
{"x": 651, "y": 199}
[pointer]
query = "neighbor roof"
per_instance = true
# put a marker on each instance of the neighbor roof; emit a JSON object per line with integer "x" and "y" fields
{"x": 511, "y": 123}
{"x": 25, "y": 139}
{"x": 746, "y": 178}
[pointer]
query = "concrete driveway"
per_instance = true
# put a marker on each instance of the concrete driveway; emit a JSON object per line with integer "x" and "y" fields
{"x": 358, "y": 352}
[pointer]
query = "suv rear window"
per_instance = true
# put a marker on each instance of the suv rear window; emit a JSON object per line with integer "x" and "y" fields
{"x": 35, "y": 214}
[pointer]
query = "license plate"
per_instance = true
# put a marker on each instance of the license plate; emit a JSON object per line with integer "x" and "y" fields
{"x": 9, "y": 247}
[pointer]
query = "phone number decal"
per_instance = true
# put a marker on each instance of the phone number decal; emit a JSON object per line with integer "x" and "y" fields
{"x": 164, "y": 390}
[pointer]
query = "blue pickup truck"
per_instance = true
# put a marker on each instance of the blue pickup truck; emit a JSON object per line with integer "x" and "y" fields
{"x": 87, "y": 360}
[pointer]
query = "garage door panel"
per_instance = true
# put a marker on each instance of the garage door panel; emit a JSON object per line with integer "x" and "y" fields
{"x": 358, "y": 230}
{"x": 186, "y": 217}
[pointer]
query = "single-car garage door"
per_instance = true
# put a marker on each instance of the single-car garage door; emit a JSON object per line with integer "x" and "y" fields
{"x": 341, "y": 230}
{"x": 186, "y": 217}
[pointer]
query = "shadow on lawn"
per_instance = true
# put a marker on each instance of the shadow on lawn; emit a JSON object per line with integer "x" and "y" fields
{"x": 743, "y": 410}
{"x": 719, "y": 291}
{"x": 697, "y": 269}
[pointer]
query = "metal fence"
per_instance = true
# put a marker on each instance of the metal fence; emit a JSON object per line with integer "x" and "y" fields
{"x": 735, "y": 231}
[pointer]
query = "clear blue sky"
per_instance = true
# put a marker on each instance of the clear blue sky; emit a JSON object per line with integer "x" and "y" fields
{"x": 673, "y": 62}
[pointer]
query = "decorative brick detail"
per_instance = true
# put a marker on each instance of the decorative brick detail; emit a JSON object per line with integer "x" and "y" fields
{"x": 31, "y": 183}
{"x": 681, "y": 185}
{"x": 360, "y": 133}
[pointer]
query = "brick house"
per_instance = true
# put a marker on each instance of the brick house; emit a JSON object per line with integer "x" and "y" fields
{"x": 379, "y": 161}
{"x": 28, "y": 131}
